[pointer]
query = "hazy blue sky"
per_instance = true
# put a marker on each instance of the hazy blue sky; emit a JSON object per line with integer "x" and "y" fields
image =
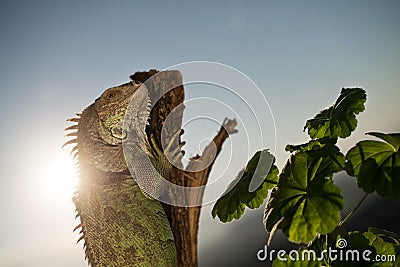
{"x": 57, "y": 57}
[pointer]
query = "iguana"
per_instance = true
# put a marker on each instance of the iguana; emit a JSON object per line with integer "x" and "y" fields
{"x": 120, "y": 225}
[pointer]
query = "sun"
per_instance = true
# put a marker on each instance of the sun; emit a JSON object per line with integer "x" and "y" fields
{"x": 60, "y": 177}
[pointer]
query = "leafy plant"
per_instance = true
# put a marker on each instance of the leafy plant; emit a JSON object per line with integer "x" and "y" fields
{"x": 305, "y": 203}
{"x": 233, "y": 203}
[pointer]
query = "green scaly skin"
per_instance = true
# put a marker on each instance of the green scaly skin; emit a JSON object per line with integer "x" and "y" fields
{"x": 120, "y": 226}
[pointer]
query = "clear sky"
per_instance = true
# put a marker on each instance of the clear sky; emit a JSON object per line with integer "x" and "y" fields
{"x": 58, "y": 56}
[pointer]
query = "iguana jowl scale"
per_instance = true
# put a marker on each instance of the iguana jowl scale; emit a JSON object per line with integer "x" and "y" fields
{"x": 120, "y": 226}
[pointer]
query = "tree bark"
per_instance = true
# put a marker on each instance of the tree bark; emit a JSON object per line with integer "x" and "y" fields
{"x": 184, "y": 221}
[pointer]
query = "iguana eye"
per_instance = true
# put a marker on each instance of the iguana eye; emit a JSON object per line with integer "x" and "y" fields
{"x": 111, "y": 95}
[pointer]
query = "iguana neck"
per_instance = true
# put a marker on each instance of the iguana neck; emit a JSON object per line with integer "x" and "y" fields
{"x": 93, "y": 149}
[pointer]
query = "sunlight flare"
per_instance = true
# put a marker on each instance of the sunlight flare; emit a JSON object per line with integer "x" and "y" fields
{"x": 60, "y": 178}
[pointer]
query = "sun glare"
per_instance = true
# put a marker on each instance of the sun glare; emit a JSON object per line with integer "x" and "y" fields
{"x": 60, "y": 178}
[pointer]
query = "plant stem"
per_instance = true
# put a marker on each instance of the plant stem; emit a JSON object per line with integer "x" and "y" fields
{"x": 271, "y": 182}
{"x": 354, "y": 210}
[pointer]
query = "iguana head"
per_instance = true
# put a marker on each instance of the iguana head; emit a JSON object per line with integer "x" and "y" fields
{"x": 111, "y": 108}
{"x": 100, "y": 128}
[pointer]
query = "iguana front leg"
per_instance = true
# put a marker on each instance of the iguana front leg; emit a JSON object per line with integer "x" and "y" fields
{"x": 165, "y": 160}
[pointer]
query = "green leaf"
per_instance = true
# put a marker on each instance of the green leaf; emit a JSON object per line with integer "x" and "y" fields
{"x": 311, "y": 145}
{"x": 379, "y": 244}
{"x": 305, "y": 202}
{"x": 342, "y": 249}
{"x": 339, "y": 120}
{"x": 381, "y": 247}
{"x": 392, "y": 138}
{"x": 322, "y": 148}
{"x": 376, "y": 165}
{"x": 385, "y": 233}
{"x": 249, "y": 189}
{"x": 350, "y": 242}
